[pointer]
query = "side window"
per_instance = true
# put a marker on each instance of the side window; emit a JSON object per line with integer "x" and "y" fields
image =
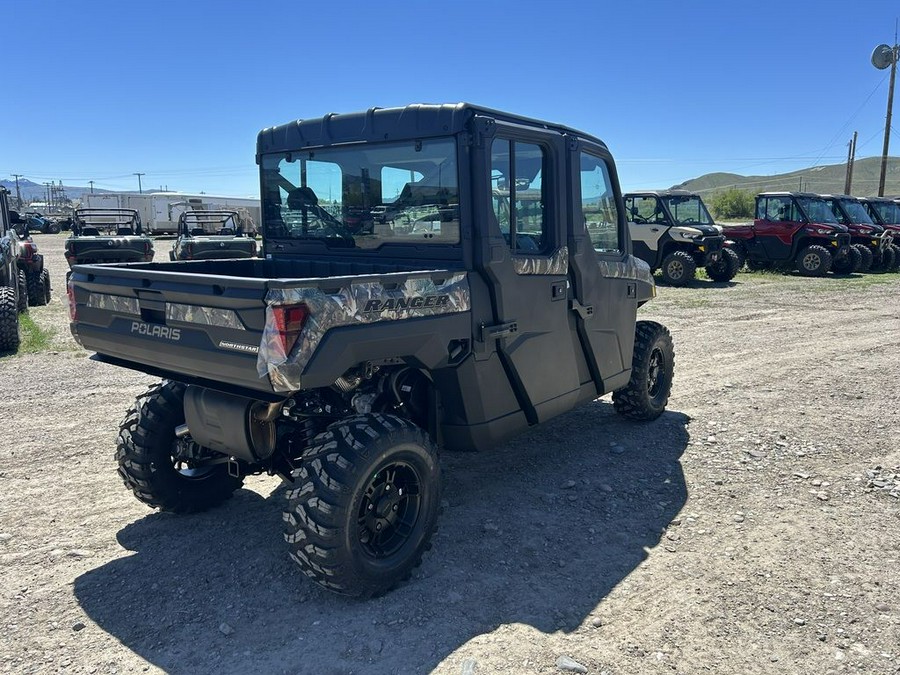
{"x": 645, "y": 211}
{"x": 779, "y": 209}
{"x": 519, "y": 195}
{"x": 761, "y": 209}
{"x": 598, "y": 204}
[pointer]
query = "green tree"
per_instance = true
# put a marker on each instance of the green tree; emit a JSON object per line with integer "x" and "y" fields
{"x": 732, "y": 203}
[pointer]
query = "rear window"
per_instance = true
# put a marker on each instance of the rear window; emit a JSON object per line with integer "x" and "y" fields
{"x": 363, "y": 196}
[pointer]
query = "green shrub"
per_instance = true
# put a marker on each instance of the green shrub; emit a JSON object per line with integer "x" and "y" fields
{"x": 732, "y": 203}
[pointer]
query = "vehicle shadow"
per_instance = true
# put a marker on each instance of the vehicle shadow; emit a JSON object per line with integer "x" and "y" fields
{"x": 538, "y": 531}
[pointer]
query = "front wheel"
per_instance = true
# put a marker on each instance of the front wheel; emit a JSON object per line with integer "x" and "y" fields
{"x": 814, "y": 261}
{"x": 888, "y": 259}
{"x": 847, "y": 264}
{"x": 364, "y": 504}
{"x": 725, "y": 268}
{"x": 896, "y": 266}
{"x": 652, "y": 368}
{"x": 163, "y": 471}
{"x": 867, "y": 257}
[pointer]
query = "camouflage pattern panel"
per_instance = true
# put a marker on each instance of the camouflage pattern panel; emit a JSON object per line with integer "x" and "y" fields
{"x": 207, "y": 316}
{"x": 631, "y": 268}
{"x": 557, "y": 263}
{"x": 114, "y": 303}
{"x": 355, "y": 303}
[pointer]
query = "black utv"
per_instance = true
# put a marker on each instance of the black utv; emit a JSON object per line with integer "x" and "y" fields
{"x": 673, "y": 232}
{"x": 345, "y": 356}
{"x": 211, "y": 234}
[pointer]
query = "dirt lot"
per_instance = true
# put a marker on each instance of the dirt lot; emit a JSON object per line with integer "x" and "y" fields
{"x": 752, "y": 529}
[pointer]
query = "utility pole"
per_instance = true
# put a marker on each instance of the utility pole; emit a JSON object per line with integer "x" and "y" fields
{"x": 851, "y": 158}
{"x": 92, "y": 186}
{"x": 17, "y": 176}
{"x": 140, "y": 191}
{"x": 47, "y": 186}
{"x": 882, "y": 57}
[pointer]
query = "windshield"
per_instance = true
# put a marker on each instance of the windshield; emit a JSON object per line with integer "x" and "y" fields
{"x": 889, "y": 212}
{"x": 363, "y": 196}
{"x": 856, "y": 212}
{"x": 688, "y": 210}
{"x": 817, "y": 210}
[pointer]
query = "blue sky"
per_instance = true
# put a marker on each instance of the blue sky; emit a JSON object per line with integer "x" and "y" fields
{"x": 97, "y": 90}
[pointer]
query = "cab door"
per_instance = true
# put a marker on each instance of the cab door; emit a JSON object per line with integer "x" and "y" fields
{"x": 605, "y": 276}
{"x": 777, "y": 221}
{"x": 525, "y": 262}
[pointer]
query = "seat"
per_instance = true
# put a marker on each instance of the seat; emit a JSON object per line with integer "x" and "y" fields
{"x": 90, "y": 232}
{"x": 197, "y": 232}
{"x": 228, "y": 231}
{"x": 124, "y": 231}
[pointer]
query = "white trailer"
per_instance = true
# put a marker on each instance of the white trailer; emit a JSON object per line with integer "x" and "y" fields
{"x": 159, "y": 211}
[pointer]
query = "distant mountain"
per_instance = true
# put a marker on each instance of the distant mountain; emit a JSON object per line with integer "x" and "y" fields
{"x": 822, "y": 179}
{"x": 37, "y": 192}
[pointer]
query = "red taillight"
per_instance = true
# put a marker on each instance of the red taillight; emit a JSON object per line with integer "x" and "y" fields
{"x": 289, "y": 320}
{"x": 70, "y": 292}
{"x": 28, "y": 251}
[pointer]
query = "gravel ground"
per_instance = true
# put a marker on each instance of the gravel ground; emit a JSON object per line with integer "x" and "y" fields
{"x": 751, "y": 529}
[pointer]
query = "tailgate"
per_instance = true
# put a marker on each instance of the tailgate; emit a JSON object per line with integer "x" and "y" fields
{"x": 186, "y": 326}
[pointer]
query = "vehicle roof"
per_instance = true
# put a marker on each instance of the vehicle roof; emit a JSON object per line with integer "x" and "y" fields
{"x": 873, "y": 198}
{"x": 850, "y": 197}
{"x": 783, "y": 193}
{"x": 661, "y": 193}
{"x": 420, "y": 120}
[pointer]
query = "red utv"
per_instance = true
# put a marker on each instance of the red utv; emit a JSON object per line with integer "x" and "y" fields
{"x": 886, "y": 212}
{"x": 796, "y": 230}
{"x": 872, "y": 241}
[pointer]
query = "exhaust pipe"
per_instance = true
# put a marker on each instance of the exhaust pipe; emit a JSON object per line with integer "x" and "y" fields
{"x": 233, "y": 425}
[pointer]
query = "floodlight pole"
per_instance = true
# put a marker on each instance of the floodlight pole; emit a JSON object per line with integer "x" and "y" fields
{"x": 887, "y": 125}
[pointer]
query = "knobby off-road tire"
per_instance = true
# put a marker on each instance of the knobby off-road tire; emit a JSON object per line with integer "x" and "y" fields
{"x": 45, "y": 284}
{"x": 814, "y": 261}
{"x": 35, "y": 289}
{"x": 741, "y": 253}
{"x": 23, "y": 299}
{"x": 364, "y": 504}
{"x": 726, "y": 268}
{"x": 652, "y": 367}
{"x": 867, "y": 257}
{"x": 848, "y": 264}
{"x": 888, "y": 259}
{"x": 896, "y": 265}
{"x": 146, "y": 464}
{"x": 9, "y": 320}
{"x": 678, "y": 268}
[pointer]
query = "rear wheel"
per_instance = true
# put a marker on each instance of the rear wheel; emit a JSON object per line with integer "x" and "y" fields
{"x": 161, "y": 470}
{"x": 45, "y": 284}
{"x": 36, "y": 295}
{"x": 867, "y": 257}
{"x": 364, "y": 504}
{"x": 725, "y": 268}
{"x": 24, "y": 297}
{"x": 9, "y": 320}
{"x": 814, "y": 261}
{"x": 652, "y": 367}
{"x": 758, "y": 265}
{"x": 678, "y": 268}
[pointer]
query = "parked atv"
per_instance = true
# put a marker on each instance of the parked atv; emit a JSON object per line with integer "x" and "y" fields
{"x": 211, "y": 234}
{"x": 873, "y": 241}
{"x": 34, "y": 222}
{"x": 795, "y": 230}
{"x": 886, "y": 212}
{"x": 672, "y": 231}
{"x": 107, "y": 235}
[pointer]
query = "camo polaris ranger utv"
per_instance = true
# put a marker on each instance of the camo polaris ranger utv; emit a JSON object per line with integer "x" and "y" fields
{"x": 107, "y": 235}
{"x": 347, "y": 355}
{"x": 672, "y": 231}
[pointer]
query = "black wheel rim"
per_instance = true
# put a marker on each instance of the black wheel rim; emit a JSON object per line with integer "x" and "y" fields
{"x": 390, "y": 509}
{"x": 656, "y": 375}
